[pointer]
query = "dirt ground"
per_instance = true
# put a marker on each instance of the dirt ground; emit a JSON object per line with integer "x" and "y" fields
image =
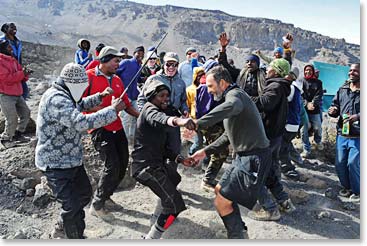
{"x": 320, "y": 214}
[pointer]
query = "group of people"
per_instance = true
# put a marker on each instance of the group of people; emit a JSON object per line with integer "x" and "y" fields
{"x": 142, "y": 101}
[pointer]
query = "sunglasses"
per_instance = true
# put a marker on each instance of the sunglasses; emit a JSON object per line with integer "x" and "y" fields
{"x": 152, "y": 59}
{"x": 171, "y": 64}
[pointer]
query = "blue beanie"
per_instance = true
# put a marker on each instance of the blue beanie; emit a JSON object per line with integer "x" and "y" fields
{"x": 209, "y": 64}
{"x": 255, "y": 58}
{"x": 278, "y": 49}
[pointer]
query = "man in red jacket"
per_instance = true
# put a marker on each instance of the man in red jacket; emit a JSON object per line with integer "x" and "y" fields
{"x": 11, "y": 100}
{"x": 110, "y": 141}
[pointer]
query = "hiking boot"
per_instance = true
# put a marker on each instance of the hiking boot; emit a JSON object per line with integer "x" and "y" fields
{"x": 112, "y": 205}
{"x": 207, "y": 186}
{"x": 6, "y": 144}
{"x": 345, "y": 192}
{"x": 101, "y": 213}
{"x": 19, "y": 137}
{"x": 287, "y": 206}
{"x": 264, "y": 215}
{"x": 354, "y": 198}
{"x": 306, "y": 154}
{"x": 296, "y": 157}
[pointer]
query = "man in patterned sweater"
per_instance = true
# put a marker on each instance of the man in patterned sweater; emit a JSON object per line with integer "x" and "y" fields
{"x": 59, "y": 150}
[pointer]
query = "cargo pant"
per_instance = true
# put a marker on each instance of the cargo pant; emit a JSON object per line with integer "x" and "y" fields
{"x": 216, "y": 160}
{"x": 13, "y": 107}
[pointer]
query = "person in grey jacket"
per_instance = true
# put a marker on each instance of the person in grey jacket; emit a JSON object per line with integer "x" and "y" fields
{"x": 241, "y": 182}
{"x": 59, "y": 150}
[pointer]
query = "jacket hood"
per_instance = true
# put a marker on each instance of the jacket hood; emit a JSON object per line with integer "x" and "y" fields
{"x": 80, "y": 43}
{"x": 285, "y": 84}
{"x": 196, "y": 71}
{"x": 153, "y": 88}
{"x": 299, "y": 84}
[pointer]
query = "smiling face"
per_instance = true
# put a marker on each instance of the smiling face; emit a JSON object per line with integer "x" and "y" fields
{"x": 161, "y": 99}
{"x": 308, "y": 72}
{"x": 170, "y": 68}
{"x": 354, "y": 74}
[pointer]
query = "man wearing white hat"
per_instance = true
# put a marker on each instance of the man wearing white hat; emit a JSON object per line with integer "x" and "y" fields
{"x": 59, "y": 151}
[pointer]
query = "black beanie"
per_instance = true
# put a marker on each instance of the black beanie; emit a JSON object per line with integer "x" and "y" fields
{"x": 139, "y": 48}
{"x": 5, "y": 27}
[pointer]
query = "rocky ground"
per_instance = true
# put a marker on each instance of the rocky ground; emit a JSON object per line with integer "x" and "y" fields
{"x": 28, "y": 210}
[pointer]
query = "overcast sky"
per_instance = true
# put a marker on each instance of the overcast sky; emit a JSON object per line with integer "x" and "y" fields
{"x": 334, "y": 18}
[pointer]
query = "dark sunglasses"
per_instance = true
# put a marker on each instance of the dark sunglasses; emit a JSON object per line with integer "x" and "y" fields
{"x": 172, "y": 64}
{"x": 152, "y": 59}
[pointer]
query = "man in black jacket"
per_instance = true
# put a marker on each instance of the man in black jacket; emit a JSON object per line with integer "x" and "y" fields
{"x": 346, "y": 106}
{"x": 273, "y": 107}
{"x": 151, "y": 151}
{"x": 251, "y": 78}
{"x": 312, "y": 97}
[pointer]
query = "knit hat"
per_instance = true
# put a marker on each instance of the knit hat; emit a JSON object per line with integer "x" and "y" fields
{"x": 139, "y": 48}
{"x": 253, "y": 57}
{"x": 75, "y": 79}
{"x": 171, "y": 56}
{"x": 99, "y": 47}
{"x": 209, "y": 64}
{"x": 281, "y": 66}
{"x": 107, "y": 53}
{"x": 294, "y": 72}
{"x": 190, "y": 49}
{"x": 279, "y": 50}
{"x": 5, "y": 27}
{"x": 154, "y": 88}
{"x": 124, "y": 50}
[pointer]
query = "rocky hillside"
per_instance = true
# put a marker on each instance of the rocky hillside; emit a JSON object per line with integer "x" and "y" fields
{"x": 125, "y": 23}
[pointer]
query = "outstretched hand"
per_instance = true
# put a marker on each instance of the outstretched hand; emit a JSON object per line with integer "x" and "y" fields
{"x": 186, "y": 122}
{"x": 223, "y": 40}
{"x": 198, "y": 155}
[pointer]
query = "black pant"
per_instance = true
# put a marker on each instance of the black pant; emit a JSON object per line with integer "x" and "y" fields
{"x": 72, "y": 189}
{"x": 114, "y": 152}
{"x": 163, "y": 182}
{"x": 174, "y": 143}
{"x": 285, "y": 149}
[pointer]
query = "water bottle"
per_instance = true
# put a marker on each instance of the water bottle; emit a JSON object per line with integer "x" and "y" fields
{"x": 345, "y": 129}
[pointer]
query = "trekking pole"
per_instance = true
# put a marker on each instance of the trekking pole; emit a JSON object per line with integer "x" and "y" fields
{"x": 141, "y": 68}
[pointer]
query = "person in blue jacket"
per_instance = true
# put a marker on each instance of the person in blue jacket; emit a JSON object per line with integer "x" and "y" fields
{"x": 82, "y": 55}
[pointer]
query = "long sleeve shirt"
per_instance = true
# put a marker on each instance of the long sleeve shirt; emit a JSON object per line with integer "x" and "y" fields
{"x": 244, "y": 129}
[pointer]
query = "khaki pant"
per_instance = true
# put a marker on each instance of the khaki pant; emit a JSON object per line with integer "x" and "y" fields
{"x": 13, "y": 107}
